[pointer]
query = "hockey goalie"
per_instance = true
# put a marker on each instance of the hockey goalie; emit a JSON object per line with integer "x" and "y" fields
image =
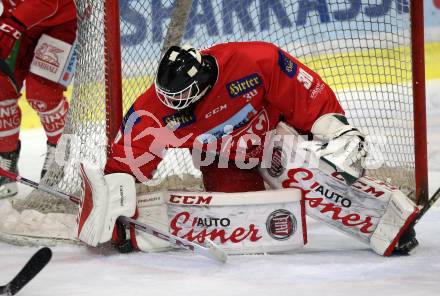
{"x": 239, "y": 108}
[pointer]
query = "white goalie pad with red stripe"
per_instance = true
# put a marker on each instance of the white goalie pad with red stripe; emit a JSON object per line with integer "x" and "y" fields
{"x": 370, "y": 210}
{"x": 240, "y": 223}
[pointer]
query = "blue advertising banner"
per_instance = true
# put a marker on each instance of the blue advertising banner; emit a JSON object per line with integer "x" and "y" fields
{"x": 432, "y": 20}
{"x": 219, "y": 19}
{"x": 302, "y": 27}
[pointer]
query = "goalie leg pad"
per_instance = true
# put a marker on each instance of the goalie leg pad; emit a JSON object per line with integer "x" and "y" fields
{"x": 240, "y": 223}
{"x": 398, "y": 216}
{"x": 370, "y": 210}
{"x": 152, "y": 210}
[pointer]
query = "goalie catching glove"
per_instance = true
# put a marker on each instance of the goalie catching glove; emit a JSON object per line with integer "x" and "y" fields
{"x": 344, "y": 146}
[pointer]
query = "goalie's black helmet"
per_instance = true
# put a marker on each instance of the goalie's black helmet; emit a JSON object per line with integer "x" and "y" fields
{"x": 184, "y": 76}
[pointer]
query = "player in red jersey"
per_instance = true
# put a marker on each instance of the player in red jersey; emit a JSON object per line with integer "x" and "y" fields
{"x": 221, "y": 103}
{"x": 248, "y": 86}
{"x": 37, "y": 41}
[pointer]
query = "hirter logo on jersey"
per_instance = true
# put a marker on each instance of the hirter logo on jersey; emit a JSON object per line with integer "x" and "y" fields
{"x": 287, "y": 66}
{"x": 244, "y": 85}
{"x": 179, "y": 119}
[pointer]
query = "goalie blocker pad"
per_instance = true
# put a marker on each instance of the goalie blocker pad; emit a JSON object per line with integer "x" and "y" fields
{"x": 240, "y": 223}
{"x": 370, "y": 210}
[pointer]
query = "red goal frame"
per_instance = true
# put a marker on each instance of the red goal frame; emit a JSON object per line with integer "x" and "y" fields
{"x": 419, "y": 101}
{"x": 114, "y": 108}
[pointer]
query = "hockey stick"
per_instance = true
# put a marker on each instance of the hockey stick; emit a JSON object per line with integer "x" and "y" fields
{"x": 211, "y": 250}
{"x": 409, "y": 239}
{"x": 6, "y": 70}
{"x": 37, "y": 262}
{"x": 430, "y": 203}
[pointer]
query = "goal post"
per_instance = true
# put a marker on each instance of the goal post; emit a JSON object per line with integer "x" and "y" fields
{"x": 370, "y": 52}
{"x": 419, "y": 99}
{"x": 179, "y": 18}
{"x": 113, "y": 70}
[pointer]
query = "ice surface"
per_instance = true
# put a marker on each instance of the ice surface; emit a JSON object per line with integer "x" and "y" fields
{"x": 331, "y": 264}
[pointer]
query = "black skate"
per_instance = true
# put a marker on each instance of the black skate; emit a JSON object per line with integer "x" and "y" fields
{"x": 407, "y": 242}
{"x": 8, "y": 162}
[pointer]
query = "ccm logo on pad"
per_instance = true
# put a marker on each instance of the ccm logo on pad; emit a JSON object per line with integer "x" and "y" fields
{"x": 190, "y": 199}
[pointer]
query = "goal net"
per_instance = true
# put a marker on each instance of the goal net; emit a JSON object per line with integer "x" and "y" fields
{"x": 362, "y": 49}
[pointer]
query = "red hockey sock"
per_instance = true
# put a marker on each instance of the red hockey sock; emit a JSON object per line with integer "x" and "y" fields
{"x": 10, "y": 119}
{"x": 53, "y": 121}
{"x": 46, "y": 97}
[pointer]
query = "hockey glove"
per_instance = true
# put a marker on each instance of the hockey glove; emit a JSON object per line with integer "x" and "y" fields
{"x": 103, "y": 200}
{"x": 344, "y": 147}
{"x": 10, "y": 32}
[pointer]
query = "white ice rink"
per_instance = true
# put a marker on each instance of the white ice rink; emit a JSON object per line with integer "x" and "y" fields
{"x": 331, "y": 263}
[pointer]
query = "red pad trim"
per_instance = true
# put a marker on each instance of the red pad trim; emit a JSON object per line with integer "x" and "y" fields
{"x": 133, "y": 232}
{"x": 86, "y": 204}
{"x": 411, "y": 218}
{"x": 303, "y": 216}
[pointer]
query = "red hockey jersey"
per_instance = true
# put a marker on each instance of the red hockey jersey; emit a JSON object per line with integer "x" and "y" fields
{"x": 258, "y": 85}
{"x": 44, "y": 13}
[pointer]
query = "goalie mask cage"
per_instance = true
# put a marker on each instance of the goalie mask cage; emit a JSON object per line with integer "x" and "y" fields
{"x": 370, "y": 52}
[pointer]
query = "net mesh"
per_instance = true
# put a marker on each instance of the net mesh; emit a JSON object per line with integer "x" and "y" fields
{"x": 360, "y": 48}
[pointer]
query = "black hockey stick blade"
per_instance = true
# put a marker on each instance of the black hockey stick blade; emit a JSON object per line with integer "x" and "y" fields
{"x": 430, "y": 203}
{"x": 408, "y": 240}
{"x": 37, "y": 262}
{"x": 6, "y": 70}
